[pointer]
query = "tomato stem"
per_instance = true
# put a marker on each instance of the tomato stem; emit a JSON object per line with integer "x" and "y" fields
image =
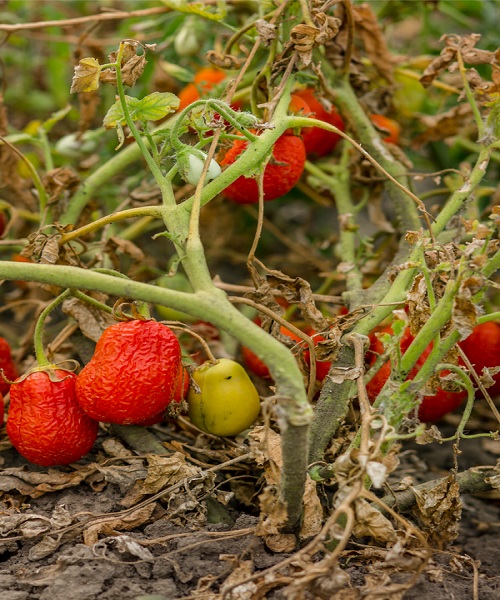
{"x": 41, "y": 357}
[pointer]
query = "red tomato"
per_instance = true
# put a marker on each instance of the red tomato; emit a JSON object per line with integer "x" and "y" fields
{"x": 390, "y": 125}
{"x": 317, "y": 141}
{"x": 258, "y": 367}
{"x": 482, "y": 348}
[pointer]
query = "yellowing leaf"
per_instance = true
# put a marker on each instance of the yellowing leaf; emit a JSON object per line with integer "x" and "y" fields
{"x": 155, "y": 106}
{"x": 86, "y": 76}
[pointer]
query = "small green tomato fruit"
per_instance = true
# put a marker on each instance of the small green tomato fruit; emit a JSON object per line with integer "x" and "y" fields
{"x": 228, "y": 402}
{"x": 195, "y": 168}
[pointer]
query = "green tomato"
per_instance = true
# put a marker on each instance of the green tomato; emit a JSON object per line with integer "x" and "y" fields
{"x": 228, "y": 402}
{"x": 180, "y": 283}
{"x": 410, "y": 95}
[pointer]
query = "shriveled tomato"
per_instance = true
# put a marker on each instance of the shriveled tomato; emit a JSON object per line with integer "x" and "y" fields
{"x": 227, "y": 403}
{"x": 132, "y": 375}
{"x": 180, "y": 393}
{"x": 45, "y": 423}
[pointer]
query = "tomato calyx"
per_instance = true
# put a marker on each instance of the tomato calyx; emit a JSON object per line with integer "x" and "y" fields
{"x": 50, "y": 369}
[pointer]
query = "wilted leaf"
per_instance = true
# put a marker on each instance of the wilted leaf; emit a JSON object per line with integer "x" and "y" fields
{"x": 369, "y": 29}
{"x": 109, "y": 525}
{"x": 115, "y": 245}
{"x": 371, "y": 522}
{"x": 91, "y": 321}
{"x": 162, "y": 472}
{"x": 439, "y": 510}
{"x": 37, "y": 483}
{"x": 124, "y": 544}
{"x": 86, "y": 76}
{"x": 57, "y": 181}
{"x": 124, "y": 476}
{"x": 466, "y": 46}
{"x": 444, "y": 125}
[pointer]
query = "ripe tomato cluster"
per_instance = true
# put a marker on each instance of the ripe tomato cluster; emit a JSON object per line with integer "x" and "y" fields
{"x": 290, "y": 152}
{"x": 482, "y": 348}
{"x": 135, "y": 374}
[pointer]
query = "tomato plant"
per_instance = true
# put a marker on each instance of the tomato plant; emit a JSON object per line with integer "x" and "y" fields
{"x": 121, "y": 200}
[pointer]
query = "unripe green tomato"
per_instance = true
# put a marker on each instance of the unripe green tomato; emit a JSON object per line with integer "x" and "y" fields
{"x": 180, "y": 283}
{"x": 228, "y": 402}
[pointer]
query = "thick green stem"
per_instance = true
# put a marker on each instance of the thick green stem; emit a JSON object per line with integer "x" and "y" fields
{"x": 294, "y": 412}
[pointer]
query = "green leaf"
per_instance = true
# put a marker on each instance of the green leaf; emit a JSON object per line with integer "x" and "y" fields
{"x": 151, "y": 108}
{"x": 155, "y": 106}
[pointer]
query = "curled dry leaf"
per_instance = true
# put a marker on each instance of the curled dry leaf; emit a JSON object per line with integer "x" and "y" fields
{"x": 57, "y": 181}
{"x": 123, "y": 476}
{"x": 439, "y": 510}
{"x": 266, "y": 31}
{"x": 374, "y": 41}
{"x": 444, "y": 125}
{"x": 298, "y": 291}
{"x": 37, "y": 483}
{"x": 161, "y": 472}
{"x": 466, "y": 46}
{"x": 108, "y": 526}
{"x": 115, "y": 246}
{"x": 86, "y": 76}
{"x": 371, "y": 522}
{"x": 91, "y": 321}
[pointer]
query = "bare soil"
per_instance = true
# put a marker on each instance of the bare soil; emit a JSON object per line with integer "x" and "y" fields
{"x": 163, "y": 558}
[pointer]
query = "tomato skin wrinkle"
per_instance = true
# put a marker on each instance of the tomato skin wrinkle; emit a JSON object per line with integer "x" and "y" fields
{"x": 46, "y": 424}
{"x": 133, "y": 373}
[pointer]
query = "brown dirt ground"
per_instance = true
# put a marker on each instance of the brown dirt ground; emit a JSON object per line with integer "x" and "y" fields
{"x": 191, "y": 561}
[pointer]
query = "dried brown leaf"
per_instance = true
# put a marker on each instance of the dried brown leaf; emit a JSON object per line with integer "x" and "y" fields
{"x": 161, "y": 472}
{"x": 92, "y": 322}
{"x": 38, "y": 483}
{"x": 110, "y": 525}
{"x": 57, "y": 181}
{"x": 115, "y": 246}
{"x": 439, "y": 510}
{"x": 371, "y": 522}
{"x": 373, "y": 39}
{"x": 444, "y": 125}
